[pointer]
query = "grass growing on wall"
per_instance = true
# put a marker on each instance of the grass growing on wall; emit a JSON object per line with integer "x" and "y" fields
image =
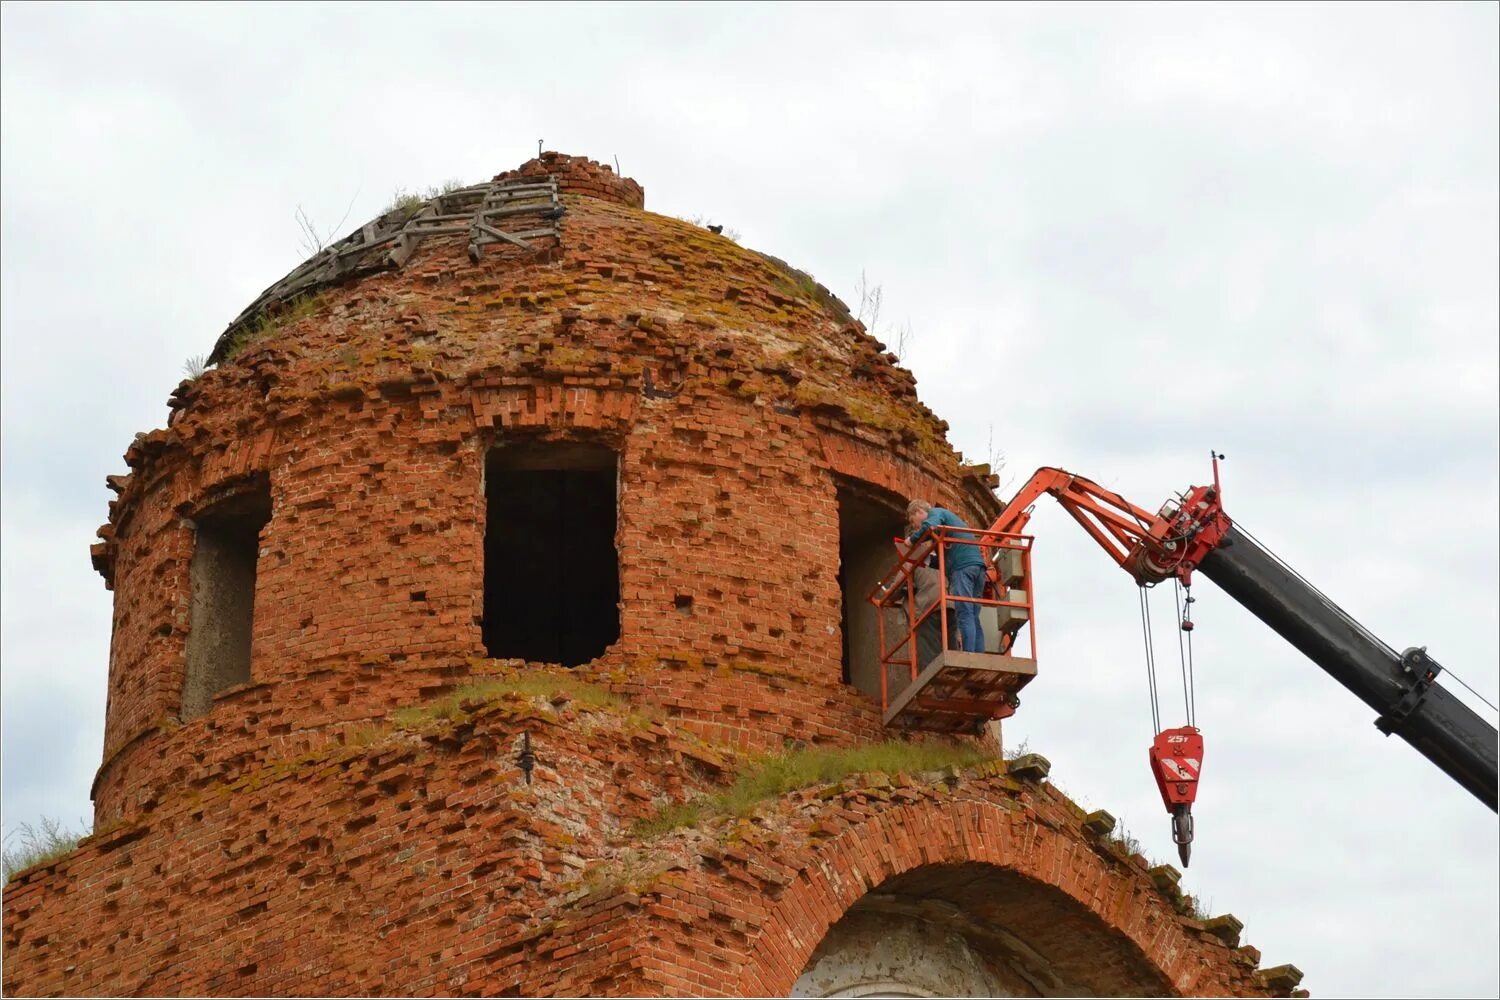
{"x": 36, "y": 844}
{"x": 267, "y": 322}
{"x": 536, "y": 685}
{"x": 775, "y": 775}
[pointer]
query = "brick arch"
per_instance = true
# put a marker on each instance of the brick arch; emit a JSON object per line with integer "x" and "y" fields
{"x": 1056, "y": 877}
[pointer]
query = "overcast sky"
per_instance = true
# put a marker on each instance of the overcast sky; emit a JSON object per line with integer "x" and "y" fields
{"x": 1121, "y": 236}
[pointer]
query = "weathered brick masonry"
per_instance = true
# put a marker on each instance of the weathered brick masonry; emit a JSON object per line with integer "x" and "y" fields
{"x": 342, "y": 823}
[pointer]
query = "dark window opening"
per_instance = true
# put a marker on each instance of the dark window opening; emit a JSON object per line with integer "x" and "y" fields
{"x": 869, "y": 519}
{"x": 221, "y": 615}
{"x": 551, "y": 570}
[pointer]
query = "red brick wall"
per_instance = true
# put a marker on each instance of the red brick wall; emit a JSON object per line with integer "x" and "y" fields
{"x": 722, "y": 501}
{"x": 296, "y": 840}
{"x": 416, "y": 861}
{"x": 581, "y": 176}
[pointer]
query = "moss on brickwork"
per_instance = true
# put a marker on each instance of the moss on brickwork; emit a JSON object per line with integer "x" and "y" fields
{"x": 763, "y": 778}
{"x": 553, "y": 687}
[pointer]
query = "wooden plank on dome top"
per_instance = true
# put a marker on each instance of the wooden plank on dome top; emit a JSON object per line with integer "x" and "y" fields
{"x": 536, "y": 199}
{"x": 401, "y": 252}
{"x": 514, "y": 186}
{"x": 525, "y": 234}
{"x": 366, "y": 247}
{"x": 407, "y": 237}
{"x": 439, "y": 230}
{"x": 497, "y": 234}
{"x": 446, "y": 217}
{"x": 502, "y": 194}
{"x": 495, "y": 213}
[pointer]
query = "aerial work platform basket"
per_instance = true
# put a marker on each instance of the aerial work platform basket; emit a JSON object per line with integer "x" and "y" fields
{"x": 928, "y": 681}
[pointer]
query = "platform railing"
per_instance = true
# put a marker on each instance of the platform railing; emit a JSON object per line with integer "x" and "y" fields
{"x": 1007, "y": 562}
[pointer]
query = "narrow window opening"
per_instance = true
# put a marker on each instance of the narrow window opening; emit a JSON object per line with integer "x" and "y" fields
{"x": 551, "y": 570}
{"x": 869, "y": 519}
{"x": 221, "y": 615}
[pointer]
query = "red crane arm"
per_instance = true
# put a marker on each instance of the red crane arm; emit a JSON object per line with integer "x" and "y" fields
{"x": 1150, "y": 547}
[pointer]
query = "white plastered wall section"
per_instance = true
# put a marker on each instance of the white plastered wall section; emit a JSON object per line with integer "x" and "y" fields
{"x": 892, "y": 955}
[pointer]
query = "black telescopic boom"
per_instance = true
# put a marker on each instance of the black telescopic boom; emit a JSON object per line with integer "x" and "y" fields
{"x": 1398, "y": 686}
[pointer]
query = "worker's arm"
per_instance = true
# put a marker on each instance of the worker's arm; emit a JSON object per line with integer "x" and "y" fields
{"x": 918, "y": 552}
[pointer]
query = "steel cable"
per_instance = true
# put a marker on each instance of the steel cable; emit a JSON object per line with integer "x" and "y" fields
{"x": 1185, "y": 656}
{"x": 1150, "y": 661}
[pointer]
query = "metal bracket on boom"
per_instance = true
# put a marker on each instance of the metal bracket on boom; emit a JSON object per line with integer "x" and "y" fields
{"x": 1423, "y": 670}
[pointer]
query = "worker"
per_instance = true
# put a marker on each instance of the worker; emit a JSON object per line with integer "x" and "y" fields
{"x": 964, "y": 563}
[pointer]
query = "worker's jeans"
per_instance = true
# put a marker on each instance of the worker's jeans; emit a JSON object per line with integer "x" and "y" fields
{"x": 968, "y": 582}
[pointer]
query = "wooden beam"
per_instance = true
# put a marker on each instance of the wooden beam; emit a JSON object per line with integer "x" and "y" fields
{"x": 497, "y": 234}
{"x": 495, "y": 213}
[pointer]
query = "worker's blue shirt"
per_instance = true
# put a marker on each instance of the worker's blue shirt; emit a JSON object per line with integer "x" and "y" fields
{"x": 955, "y": 555}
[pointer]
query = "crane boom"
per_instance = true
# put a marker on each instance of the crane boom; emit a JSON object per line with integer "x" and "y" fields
{"x": 1400, "y": 686}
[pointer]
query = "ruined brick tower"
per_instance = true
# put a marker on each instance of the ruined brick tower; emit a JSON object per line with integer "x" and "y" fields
{"x": 506, "y": 534}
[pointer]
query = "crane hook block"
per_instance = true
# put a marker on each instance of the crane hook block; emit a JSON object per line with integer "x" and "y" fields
{"x": 1176, "y": 762}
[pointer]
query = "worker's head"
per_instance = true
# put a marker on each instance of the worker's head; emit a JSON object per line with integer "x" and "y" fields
{"x": 916, "y": 513}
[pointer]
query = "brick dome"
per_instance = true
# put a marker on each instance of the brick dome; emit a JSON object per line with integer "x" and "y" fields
{"x": 505, "y": 536}
{"x": 359, "y": 400}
